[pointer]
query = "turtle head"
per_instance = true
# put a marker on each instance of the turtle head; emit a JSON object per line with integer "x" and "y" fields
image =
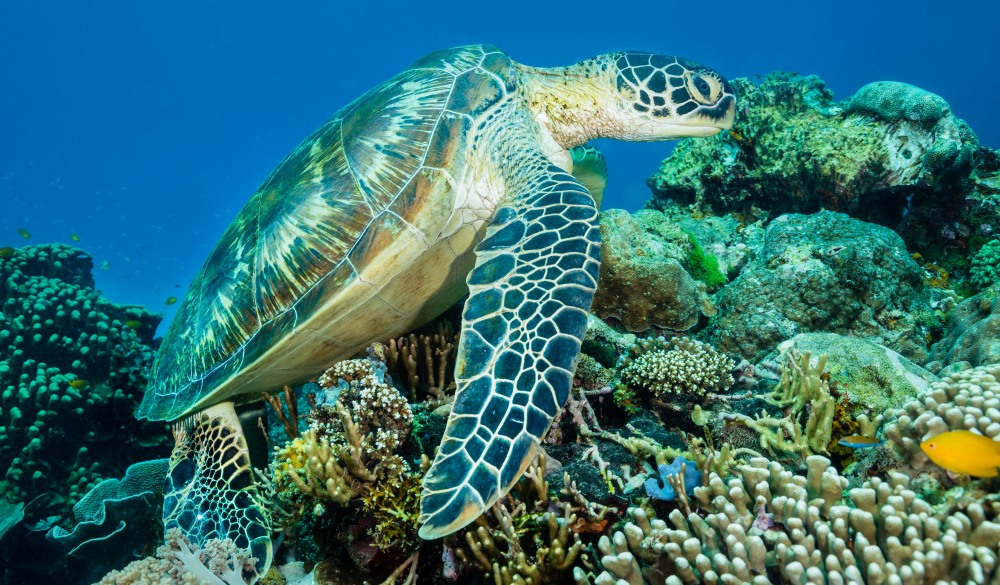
{"x": 660, "y": 97}
{"x": 629, "y": 96}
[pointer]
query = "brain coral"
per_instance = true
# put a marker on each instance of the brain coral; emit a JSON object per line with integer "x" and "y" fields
{"x": 894, "y": 100}
{"x": 72, "y": 369}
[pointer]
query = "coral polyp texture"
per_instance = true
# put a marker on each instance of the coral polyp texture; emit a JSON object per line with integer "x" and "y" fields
{"x": 72, "y": 369}
{"x": 966, "y": 400}
{"x": 770, "y": 525}
{"x": 680, "y": 369}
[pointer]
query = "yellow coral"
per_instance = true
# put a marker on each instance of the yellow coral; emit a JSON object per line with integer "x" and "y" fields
{"x": 394, "y": 503}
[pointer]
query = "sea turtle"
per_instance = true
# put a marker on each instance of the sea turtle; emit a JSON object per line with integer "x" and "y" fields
{"x": 464, "y": 174}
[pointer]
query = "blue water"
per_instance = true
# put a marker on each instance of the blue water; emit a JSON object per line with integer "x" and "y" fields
{"x": 144, "y": 127}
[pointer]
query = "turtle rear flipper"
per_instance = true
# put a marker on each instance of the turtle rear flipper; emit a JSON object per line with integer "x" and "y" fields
{"x": 534, "y": 280}
{"x": 210, "y": 492}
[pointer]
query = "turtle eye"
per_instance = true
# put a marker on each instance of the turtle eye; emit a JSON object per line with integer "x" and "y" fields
{"x": 704, "y": 89}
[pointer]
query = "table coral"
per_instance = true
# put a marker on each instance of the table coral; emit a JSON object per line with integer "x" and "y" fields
{"x": 880, "y": 533}
{"x": 72, "y": 369}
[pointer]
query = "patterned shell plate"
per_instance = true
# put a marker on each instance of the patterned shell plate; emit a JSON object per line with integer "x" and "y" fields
{"x": 319, "y": 263}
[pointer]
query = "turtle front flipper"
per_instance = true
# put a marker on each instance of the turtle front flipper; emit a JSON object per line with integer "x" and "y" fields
{"x": 522, "y": 326}
{"x": 210, "y": 492}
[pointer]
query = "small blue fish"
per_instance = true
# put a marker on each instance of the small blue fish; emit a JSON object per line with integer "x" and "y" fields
{"x": 860, "y": 442}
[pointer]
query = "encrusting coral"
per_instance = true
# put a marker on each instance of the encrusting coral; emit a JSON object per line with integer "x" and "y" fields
{"x": 769, "y": 525}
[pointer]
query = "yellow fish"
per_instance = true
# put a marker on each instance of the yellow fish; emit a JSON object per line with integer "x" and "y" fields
{"x": 171, "y": 300}
{"x": 133, "y": 324}
{"x": 6, "y": 252}
{"x": 24, "y": 233}
{"x": 78, "y": 384}
{"x": 74, "y": 237}
{"x": 964, "y": 452}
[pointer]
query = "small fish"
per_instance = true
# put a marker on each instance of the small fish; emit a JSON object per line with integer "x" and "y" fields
{"x": 79, "y": 384}
{"x": 24, "y": 233}
{"x": 171, "y": 300}
{"x": 6, "y": 252}
{"x": 74, "y": 237}
{"x": 860, "y": 442}
{"x": 964, "y": 452}
{"x": 105, "y": 265}
{"x": 133, "y": 324}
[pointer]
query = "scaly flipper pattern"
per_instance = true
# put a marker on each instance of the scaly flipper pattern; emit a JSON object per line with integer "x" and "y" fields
{"x": 534, "y": 280}
{"x": 209, "y": 492}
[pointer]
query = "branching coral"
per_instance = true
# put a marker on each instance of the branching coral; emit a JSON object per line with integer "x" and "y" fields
{"x": 527, "y": 539}
{"x": 967, "y": 400}
{"x": 178, "y": 562}
{"x": 424, "y": 363}
{"x": 803, "y": 392}
{"x": 676, "y": 370}
{"x": 769, "y": 525}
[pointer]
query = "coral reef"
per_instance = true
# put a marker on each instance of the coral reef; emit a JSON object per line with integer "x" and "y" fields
{"x": 984, "y": 269}
{"x": 868, "y": 378}
{"x": 823, "y": 272}
{"x": 72, "y": 369}
{"x": 769, "y": 525}
{"x": 894, "y": 101}
{"x": 178, "y": 562}
{"x": 904, "y": 164}
{"x": 973, "y": 334}
{"x": 966, "y": 400}
{"x": 112, "y": 519}
{"x": 643, "y": 281}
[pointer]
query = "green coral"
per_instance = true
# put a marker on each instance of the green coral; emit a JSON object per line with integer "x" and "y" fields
{"x": 894, "y": 100}
{"x": 703, "y": 266}
{"x": 984, "y": 270}
{"x": 72, "y": 369}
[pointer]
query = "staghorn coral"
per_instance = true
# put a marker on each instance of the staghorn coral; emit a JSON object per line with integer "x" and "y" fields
{"x": 679, "y": 369}
{"x": 72, "y": 369}
{"x": 966, "y": 400}
{"x": 424, "y": 363}
{"x": 533, "y": 540}
{"x": 769, "y": 525}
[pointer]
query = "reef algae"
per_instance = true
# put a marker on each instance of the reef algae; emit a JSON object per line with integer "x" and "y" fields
{"x": 868, "y": 377}
{"x": 892, "y": 154}
{"x": 823, "y": 272}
